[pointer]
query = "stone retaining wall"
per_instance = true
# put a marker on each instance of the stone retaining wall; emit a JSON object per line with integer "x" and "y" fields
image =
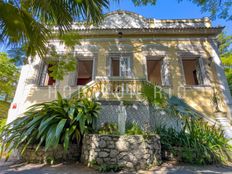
{"x": 51, "y": 155}
{"x": 133, "y": 151}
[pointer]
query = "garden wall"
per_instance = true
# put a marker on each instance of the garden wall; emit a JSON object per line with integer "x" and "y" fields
{"x": 51, "y": 155}
{"x": 133, "y": 151}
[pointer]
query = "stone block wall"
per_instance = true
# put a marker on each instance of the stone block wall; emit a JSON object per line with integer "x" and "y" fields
{"x": 51, "y": 155}
{"x": 133, "y": 151}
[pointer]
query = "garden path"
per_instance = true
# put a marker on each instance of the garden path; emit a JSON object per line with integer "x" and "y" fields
{"x": 167, "y": 168}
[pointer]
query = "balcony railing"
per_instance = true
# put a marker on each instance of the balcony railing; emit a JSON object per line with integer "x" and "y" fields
{"x": 112, "y": 88}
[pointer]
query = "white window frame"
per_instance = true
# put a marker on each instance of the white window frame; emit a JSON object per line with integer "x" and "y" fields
{"x": 202, "y": 70}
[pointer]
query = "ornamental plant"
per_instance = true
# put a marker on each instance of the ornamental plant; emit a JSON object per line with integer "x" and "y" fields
{"x": 62, "y": 121}
{"x": 196, "y": 143}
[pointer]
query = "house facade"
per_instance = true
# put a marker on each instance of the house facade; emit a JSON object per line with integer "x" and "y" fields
{"x": 126, "y": 49}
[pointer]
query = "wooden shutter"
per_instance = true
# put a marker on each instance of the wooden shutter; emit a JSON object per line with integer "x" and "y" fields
{"x": 38, "y": 73}
{"x": 108, "y": 66}
{"x": 131, "y": 74}
{"x": 204, "y": 75}
{"x": 43, "y": 74}
{"x": 182, "y": 71}
{"x": 72, "y": 79}
{"x": 165, "y": 73}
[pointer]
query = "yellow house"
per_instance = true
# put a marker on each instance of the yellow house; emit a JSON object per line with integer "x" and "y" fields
{"x": 126, "y": 49}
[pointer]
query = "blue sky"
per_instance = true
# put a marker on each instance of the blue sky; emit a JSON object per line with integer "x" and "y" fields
{"x": 165, "y": 9}
{"x": 169, "y": 9}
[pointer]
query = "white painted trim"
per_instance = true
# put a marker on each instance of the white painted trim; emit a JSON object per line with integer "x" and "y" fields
{"x": 182, "y": 70}
{"x": 105, "y": 39}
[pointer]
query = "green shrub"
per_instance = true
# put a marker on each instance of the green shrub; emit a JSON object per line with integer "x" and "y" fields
{"x": 109, "y": 129}
{"x": 2, "y": 124}
{"x": 4, "y": 107}
{"x": 109, "y": 168}
{"x": 61, "y": 121}
{"x": 134, "y": 129}
{"x": 197, "y": 143}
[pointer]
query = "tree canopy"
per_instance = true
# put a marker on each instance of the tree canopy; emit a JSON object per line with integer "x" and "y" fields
{"x": 9, "y": 74}
{"x": 225, "y": 50}
{"x": 29, "y": 22}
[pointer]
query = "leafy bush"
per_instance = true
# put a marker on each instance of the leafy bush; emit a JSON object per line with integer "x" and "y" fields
{"x": 2, "y": 124}
{"x": 197, "y": 143}
{"x": 109, "y": 129}
{"x": 57, "y": 122}
{"x": 134, "y": 129}
{"x": 154, "y": 94}
{"x": 4, "y": 107}
{"x": 105, "y": 167}
{"x": 109, "y": 168}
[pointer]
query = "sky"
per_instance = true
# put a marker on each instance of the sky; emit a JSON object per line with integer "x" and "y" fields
{"x": 164, "y": 9}
{"x": 169, "y": 9}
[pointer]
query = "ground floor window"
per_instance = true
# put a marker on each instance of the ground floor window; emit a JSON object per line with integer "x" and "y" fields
{"x": 84, "y": 71}
{"x": 192, "y": 71}
{"x": 46, "y": 78}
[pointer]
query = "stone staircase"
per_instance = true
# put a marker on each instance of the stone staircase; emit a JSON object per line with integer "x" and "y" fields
{"x": 225, "y": 125}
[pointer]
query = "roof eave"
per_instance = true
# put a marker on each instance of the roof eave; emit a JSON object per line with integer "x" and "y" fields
{"x": 150, "y": 31}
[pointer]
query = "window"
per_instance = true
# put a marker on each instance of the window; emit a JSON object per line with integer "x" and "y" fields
{"x": 192, "y": 71}
{"x": 115, "y": 66}
{"x": 154, "y": 71}
{"x": 85, "y": 71}
{"x": 46, "y": 79}
{"x": 120, "y": 66}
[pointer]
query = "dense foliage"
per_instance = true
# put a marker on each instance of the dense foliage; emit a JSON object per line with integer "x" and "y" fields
{"x": 226, "y": 56}
{"x": 196, "y": 143}
{"x": 61, "y": 121}
{"x": 134, "y": 129}
{"x": 4, "y": 106}
{"x": 108, "y": 129}
{"x": 8, "y": 77}
{"x": 2, "y": 124}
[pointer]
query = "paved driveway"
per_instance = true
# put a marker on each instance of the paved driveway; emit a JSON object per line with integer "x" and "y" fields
{"x": 22, "y": 168}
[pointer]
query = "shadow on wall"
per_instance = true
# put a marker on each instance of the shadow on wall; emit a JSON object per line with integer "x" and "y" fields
{"x": 200, "y": 98}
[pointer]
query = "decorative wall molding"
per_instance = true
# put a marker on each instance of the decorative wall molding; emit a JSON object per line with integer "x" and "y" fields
{"x": 119, "y": 48}
{"x": 86, "y": 48}
{"x": 123, "y": 19}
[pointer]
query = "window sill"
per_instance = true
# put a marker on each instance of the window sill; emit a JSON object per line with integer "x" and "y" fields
{"x": 197, "y": 86}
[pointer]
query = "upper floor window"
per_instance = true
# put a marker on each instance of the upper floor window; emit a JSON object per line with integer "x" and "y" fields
{"x": 46, "y": 78}
{"x": 154, "y": 71}
{"x": 158, "y": 71}
{"x": 121, "y": 66}
{"x": 84, "y": 71}
{"x": 193, "y": 71}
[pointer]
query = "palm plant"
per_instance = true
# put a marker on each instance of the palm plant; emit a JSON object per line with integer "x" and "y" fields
{"x": 61, "y": 121}
{"x": 173, "y": 105}
{"x": 196, "y": 143}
